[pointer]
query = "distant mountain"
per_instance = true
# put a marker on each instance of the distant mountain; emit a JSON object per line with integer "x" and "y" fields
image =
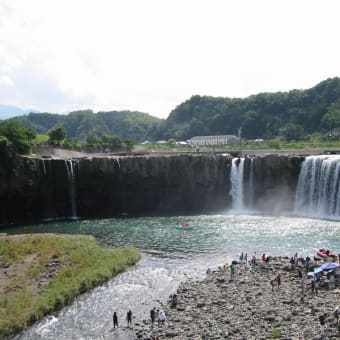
{"x": 79, "y": 125}
{"x": 9, "y": 111}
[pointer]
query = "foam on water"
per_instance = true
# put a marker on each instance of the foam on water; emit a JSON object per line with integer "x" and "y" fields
{"x": 171, "y": 256}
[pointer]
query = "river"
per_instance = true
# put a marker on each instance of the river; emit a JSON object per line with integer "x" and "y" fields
{"x": 170, "y": 256}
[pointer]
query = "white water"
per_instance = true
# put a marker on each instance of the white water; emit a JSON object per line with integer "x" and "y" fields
{"x": 236, "y": 178}
{"x": 72, "y": 192}
{"x": 251, "y": 185}
{"x": 170, "y": 256}
{"x": 317, "y": 193}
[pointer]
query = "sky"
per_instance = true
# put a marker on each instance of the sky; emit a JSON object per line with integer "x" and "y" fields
{"x": 152, "y": 55}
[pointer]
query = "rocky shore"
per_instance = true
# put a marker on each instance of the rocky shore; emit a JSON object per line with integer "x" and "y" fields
{"x": 247, "y": 307}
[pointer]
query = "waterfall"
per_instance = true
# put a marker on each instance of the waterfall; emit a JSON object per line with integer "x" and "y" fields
{"x": 48, "y": 192}
{"x": 251, "y": 184}
{"x": 124, "y": 212}
{"x": 317, "y": 192}
{"x": 72, "y": 193}
{"x": 236, "y": 178}
{"x": 44, "y": 166}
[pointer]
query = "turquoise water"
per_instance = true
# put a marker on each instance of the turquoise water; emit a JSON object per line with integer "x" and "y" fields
{"x": 171, "y": 256}
{"x": 211, "y": 234}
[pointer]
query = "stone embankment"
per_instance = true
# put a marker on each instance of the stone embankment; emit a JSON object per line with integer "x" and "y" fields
{"x": 247, "y": 307}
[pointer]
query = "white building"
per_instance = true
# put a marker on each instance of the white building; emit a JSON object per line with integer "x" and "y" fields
{"x": 214, "y": 140}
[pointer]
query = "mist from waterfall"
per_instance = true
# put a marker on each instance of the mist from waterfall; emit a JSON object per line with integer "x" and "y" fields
{"x": 317, "y": 193}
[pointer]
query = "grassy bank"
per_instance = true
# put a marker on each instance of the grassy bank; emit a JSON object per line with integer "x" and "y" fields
{"x": 43, "y": 273}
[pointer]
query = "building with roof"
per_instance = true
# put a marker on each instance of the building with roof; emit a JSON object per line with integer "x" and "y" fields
{"x": 214, "y": 140}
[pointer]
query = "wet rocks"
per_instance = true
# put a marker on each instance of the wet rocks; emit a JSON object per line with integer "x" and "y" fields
{"x": 247, "y": 308}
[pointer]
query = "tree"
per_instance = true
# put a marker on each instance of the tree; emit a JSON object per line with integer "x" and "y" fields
{"x": 57, "y": 134}
{"x": 331, "y": 119}
{"x": 291, "y": 131}
{"x": 129, "y": 144}
{"x": 19, "y": 139}
{"x": 171, "y": 142}
{"x": 112, "y": 142}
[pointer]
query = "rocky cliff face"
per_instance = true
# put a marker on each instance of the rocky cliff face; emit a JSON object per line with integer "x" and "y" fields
{"x": 275, "y": 180}
{"x": 41, "y": 189}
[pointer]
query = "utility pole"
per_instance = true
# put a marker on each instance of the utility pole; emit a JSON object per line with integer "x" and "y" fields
{"x": 240, "y": 138}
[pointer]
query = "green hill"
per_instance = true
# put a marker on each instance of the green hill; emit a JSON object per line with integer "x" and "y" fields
{"x": 290, "y": 114}
{"x": 81, "y": 124}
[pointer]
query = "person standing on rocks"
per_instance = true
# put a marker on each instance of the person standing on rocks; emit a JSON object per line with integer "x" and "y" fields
{"x": 278, "y": 280}
{"x": 322, "y": 319}
{"x": 272, "y": 283}
{"x": 241, "y": 257}
{"x": 153, "y": 315}
{"x": 312, "y": 285}
{"x": 210, "y": 276}
{"x": 253, "y": 260}
{"x": 129, "y": 318}
{"x": 115, "y": 320}
{"x": 336, "y": 313}
{"x": 161, "y": 317}
{"x": 173, "y": 302}
{"x": 232, "y": 272}
{"x": 316, "y": 287}
{"x": 302, "y": 284}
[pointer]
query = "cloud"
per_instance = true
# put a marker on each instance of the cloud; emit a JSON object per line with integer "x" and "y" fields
{"x": 151, "y": 55}
{"x": 6, "y": 80}
{"x": 33, "y": 89}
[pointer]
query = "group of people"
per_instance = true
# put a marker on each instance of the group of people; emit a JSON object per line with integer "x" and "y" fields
{"x": 323, "y": 318}
{"x": 158, "y": 314}
{"x": 128, "y": 319}
{"x": 154, "y": 314}
{"x": 276, "y": 281}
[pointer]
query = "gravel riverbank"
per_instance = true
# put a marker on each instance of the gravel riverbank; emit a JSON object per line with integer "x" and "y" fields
{"x": 247, "y": 307}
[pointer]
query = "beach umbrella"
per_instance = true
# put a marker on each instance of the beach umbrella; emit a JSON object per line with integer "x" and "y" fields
{"x": 318, "y": 270}
{"x": 330, "y": 265}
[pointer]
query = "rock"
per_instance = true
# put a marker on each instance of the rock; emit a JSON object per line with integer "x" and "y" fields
{"x": 247, "y": 311}
{"x": 171, "y": 334}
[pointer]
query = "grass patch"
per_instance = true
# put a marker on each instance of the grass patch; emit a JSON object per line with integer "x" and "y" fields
{"x": 75, "y": 264}
{"x": 40, "y": 138}
{"x": 276, "y": 333}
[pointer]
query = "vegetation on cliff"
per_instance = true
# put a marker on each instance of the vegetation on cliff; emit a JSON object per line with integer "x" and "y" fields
{"x": 292, "y": 115}
{"x": 85, "y": 124}
{"x": 43, "y": 273}
{"x": 14, "y": 138}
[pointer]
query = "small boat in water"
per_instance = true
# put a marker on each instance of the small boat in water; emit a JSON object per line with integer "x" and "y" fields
{"x": 325, "y": 253}
{"x": 184, "y": 226}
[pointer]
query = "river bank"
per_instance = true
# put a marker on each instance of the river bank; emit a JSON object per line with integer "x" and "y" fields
{"x": 247, "y": 307}
{"x": 42, "y": 273}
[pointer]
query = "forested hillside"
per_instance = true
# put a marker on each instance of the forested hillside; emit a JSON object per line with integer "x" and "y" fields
{"x": 292, "y": 115}
{"x": 83, "y": 124}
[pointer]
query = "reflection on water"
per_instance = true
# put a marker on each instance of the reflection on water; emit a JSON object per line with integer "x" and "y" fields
{"x": 170, "y": 256}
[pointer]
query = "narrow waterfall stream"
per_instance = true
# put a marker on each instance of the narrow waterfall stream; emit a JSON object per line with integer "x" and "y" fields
{"x": 69, "y": 164}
